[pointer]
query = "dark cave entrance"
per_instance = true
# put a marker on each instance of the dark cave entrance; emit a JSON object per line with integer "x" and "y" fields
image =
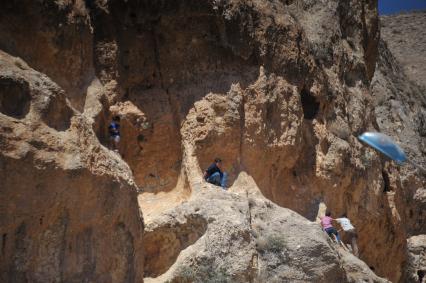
{"x": 309, "y": 104}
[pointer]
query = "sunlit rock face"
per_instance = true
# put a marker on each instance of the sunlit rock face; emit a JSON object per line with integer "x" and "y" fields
{"x": 279, "y": 90}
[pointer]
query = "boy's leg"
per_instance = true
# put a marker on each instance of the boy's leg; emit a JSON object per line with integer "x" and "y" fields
{"x": 329, "y": 232}
{"x": 332, "y": 231}
{"x": 116, "y": 142}
{"x": 224, "y": 180}
{"x": 337, "y": 235}
{"x": 214, "y": 179}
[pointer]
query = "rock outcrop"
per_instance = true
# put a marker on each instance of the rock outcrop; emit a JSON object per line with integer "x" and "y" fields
{"x": 400, "y": 110}
{"x": 406, "y": 36}
{"x": 416, "y": 270}
{"x": 279, "y": 89}
{"x": 240, "y": 236}
{"x": 69, "y": 206}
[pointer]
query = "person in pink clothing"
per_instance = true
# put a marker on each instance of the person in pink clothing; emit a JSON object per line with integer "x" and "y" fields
{"x": 328, "y": 227}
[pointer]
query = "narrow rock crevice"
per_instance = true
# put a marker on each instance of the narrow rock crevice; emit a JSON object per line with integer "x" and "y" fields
{"x": 163, "y": 244}
{"x": 15, "y": 98}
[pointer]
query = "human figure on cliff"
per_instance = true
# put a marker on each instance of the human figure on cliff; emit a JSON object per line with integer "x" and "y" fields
{"x": 328, "y": 227}
{"x": 114, "y": 133}
{"x": 214, "y": 174}
{"x": 349, "y": 231}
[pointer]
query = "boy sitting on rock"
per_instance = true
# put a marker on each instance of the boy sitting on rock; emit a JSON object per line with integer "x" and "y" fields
{"x": 214, "y": 174}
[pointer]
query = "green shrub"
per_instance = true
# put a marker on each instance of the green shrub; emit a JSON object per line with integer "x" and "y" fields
{"x": 274, "y": 243}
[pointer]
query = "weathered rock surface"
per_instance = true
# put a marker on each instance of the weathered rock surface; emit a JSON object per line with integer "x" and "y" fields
{"x": 406, "y": 36}
{"x": 279, "y": 89}
{"x": 55, "y": 38}
{"x": 68, "y": 207}
{"x": 400, "y": 109}
{"x": 239, "y": 236}
{"x": 416, "y": 271}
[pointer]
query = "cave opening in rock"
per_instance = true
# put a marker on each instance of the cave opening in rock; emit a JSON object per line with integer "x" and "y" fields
{"x": 421, "y": 275}
{"x": 100, "y": 126}
{"x": 386, "y": 182}
{"x": 164, "y": 244}
{"x": 3, "y": 243}
{"x": 58, "y": 114}
{"x": 14, "y": 97}
{"x": 310, "y": 105}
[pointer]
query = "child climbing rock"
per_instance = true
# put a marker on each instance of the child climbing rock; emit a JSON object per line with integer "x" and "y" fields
{"x": 349, "y": 231}
{"x": 114, "y": 133}
{"x": 214, "y": 174}
{"x": 328, "y": 227}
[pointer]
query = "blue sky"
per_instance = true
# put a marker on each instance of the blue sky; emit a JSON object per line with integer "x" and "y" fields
{"x": 396, "y": 6}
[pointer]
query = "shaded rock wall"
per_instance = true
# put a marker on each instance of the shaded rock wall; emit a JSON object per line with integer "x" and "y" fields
{"x": 54, "y": 37}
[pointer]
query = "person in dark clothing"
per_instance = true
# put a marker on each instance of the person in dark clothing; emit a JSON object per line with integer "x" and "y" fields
{"x": 114, "y": 133}
{"x": 214, "y": 174}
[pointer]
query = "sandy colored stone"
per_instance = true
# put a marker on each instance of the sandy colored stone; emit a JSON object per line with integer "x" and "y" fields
{"x": 69, "y": 209}
{"x": 279, "y": 90}
{"x": 405, "y": 35}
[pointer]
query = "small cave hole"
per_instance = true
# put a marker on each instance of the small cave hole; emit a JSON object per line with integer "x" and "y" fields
{"x": 164, "y": 244}
{"x": 58, "y": 114}
{"x": 100, "y": 127}
{"x": 325, "y": 145}
{"x": 421, "y": 275}
{"x": 411, "y": 214}
{"x": 141, "y": 138}
{"x": 3, "y": 243}
{"x": 386, "y": 182}
{"x": 14, "y": 97}
{"x": 309, "y": 104}
{"x": 126, "y": 94}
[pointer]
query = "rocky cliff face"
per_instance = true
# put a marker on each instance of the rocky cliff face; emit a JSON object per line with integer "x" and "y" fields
{"x": 400, "y": 101}
{"x": 278, "y": 89}
{"x": 406, "y": 37}
{"x": 68, "y": 205}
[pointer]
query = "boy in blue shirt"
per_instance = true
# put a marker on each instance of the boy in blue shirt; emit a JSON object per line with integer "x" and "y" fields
{"x": 214, "y": 174}
{"x": 114, "y": 133}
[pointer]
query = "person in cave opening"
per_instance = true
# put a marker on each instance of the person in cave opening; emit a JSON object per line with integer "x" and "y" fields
{"x": 214, "y": 174}
{"x": 328, "y": 227}
{"x": 114, "y": 133}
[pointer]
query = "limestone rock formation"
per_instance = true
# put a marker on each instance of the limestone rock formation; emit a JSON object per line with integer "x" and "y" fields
{"x": 68, "y": 208}
{"x": 417, "y": 259}
{"x": 400, "y": 109}
{"x": 240, "y": 236}
{"x": 278, "y": 89}
{"x": 406, "y": 36}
